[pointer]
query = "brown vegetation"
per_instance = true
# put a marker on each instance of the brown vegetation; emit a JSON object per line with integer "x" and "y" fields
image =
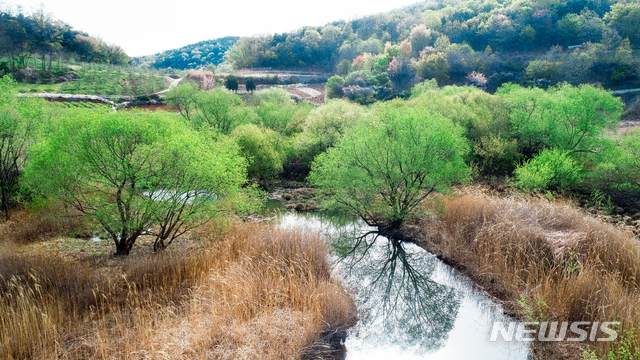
{"x": 548, "y": 260}
{"x": 206, "y": 80}
{"x": 250, "y": 291}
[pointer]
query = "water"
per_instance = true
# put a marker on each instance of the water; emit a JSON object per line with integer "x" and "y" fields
{"x": 410, "y": 304}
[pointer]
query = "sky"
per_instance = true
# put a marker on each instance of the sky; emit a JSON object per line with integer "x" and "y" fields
{"x": 144, "y": 27}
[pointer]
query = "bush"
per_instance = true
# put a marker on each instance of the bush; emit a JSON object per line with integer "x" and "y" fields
{"x": 424, "y": 87}
{"x": 263, "y": 149}
{"x": 334, "y": 87}
{"x": 325, "y": 126}
{"x": 549, "y": 170}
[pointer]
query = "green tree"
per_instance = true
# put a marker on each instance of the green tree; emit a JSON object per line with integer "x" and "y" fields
{"x": 250, "y": 84}
{"x": 565, "y": 117}
{"x": 263, "y": 149}
{"x": 231, "y": 83}
{"x": 183, "y": 97}
{"x": 325, "y": 126}
{"x": 383, "y": 168}
{"x": 217, "y": 108}
{"x": 625, "y": 18}
{"x": 420, "y": 38}
{"x": 334, "y": 87}
{"x": 132, "y": 171}
{"x": 434, "y": 66}
{"x": 18, "y": 118}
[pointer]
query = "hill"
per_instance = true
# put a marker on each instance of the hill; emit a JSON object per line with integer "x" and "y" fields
{"x": 36, "y": 47}
{"x": 531, "y": 42}
{"x": 191, "y": 56}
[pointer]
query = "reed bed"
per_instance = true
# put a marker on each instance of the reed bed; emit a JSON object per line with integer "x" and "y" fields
{"x": 548, "y": 260}
{"x": 251, "y": 292}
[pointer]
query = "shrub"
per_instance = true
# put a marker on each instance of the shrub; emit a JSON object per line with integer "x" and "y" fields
{"x": 424, "y": 87}
{"x": 263, "y": 149}
{"x": 549, "y": 170}
{"x": 334, "y": 87}
{"x": 496, "y": 154}
{"x": 325, "y": 126}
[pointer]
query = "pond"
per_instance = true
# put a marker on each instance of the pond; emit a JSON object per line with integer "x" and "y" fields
{"x": 410, "y": 304}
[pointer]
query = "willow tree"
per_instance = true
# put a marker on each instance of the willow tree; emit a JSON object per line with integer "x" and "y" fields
{"x": 135, "y": 171}
{"x": 384, "y": 167}
{"x": 18, "y": 120}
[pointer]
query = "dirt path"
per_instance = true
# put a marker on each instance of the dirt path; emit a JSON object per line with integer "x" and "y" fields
{"x": 174, "y": 83}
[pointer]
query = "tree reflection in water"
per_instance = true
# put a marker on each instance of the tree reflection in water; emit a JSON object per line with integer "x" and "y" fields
{"x": 399, "y": 303}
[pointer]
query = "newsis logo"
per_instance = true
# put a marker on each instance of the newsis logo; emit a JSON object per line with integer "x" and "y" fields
{"x": 554, "y": 331}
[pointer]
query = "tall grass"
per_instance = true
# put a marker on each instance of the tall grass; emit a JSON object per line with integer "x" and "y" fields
{"x": 253, "y": 292}
{"x": 549, "y": 260}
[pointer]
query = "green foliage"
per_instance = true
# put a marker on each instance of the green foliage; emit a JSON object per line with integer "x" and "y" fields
{"x": 541, "y": 69}
{"x": 216, "y": 108}
{"x": 200, "y": 54}
{"x": 325, "y": 126}
{"x": 18, "y": 122}
{"x": 334, "y": 87}
{"x": 231, "y": 83}
{"x": 423, "y": 87}
{"x": 619, "y": 168}
{"x": 383, "y": 167}
{"x": 434, "y": 66}
{"x": 496, "y": 154}
{"x": 277, "y": 111}
{"x": 549, "y": 170}
{"x": 566, "y": 117}
{"x": 625, "y": 18}
{"x": 626, "y": 346}
{"x": 263, "y": 149}
{"x": 132, "y": 171}
{"x": 250, "y": 84}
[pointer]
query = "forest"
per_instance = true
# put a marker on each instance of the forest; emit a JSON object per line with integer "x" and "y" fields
{"x": 24, "y": 37}
{"x": 489, "y": 43}
{"x": 192, "y": 56}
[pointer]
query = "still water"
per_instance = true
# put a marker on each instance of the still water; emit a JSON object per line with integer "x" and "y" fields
{"x": 410, "y": 304}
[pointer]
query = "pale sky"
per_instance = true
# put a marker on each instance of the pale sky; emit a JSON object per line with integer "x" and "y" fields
{"x": 148, "y": 27}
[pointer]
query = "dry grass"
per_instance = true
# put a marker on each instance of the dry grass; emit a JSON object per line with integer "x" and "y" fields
{"x": 254, "y": 292}
{"x": 27, "y": 225}
{"x": 549, "y": 260}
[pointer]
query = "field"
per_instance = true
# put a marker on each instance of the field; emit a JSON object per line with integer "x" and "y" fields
{"x": 97, "y": 79}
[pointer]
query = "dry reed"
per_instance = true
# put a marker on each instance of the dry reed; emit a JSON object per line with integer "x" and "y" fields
{"x": 258, "y": 292}
{"x": 550, "y": 261}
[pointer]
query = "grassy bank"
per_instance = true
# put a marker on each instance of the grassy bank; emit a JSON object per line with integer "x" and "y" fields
{"x": 232, "y": 292}
{"x": 546, "y": 260}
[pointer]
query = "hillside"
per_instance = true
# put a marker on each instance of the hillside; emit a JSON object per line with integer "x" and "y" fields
{"x": 36, "y": 47}
{"x": 486, "y": 44}
{"x": 191, "y": 56}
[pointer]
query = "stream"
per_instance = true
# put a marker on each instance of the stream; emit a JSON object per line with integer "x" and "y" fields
{"x": 410, "y": 304}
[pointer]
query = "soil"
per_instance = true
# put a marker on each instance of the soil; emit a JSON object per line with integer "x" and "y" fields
{"x": 154, "y": 108}
{"x": 319, "y": 100}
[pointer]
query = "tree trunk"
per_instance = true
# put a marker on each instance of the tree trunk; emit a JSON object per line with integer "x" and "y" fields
{"x": 5, "y": 204}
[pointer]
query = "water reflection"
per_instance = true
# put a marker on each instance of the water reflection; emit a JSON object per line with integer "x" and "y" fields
{"x": 411, "y": 305}
{"x": 399, "y": 302}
